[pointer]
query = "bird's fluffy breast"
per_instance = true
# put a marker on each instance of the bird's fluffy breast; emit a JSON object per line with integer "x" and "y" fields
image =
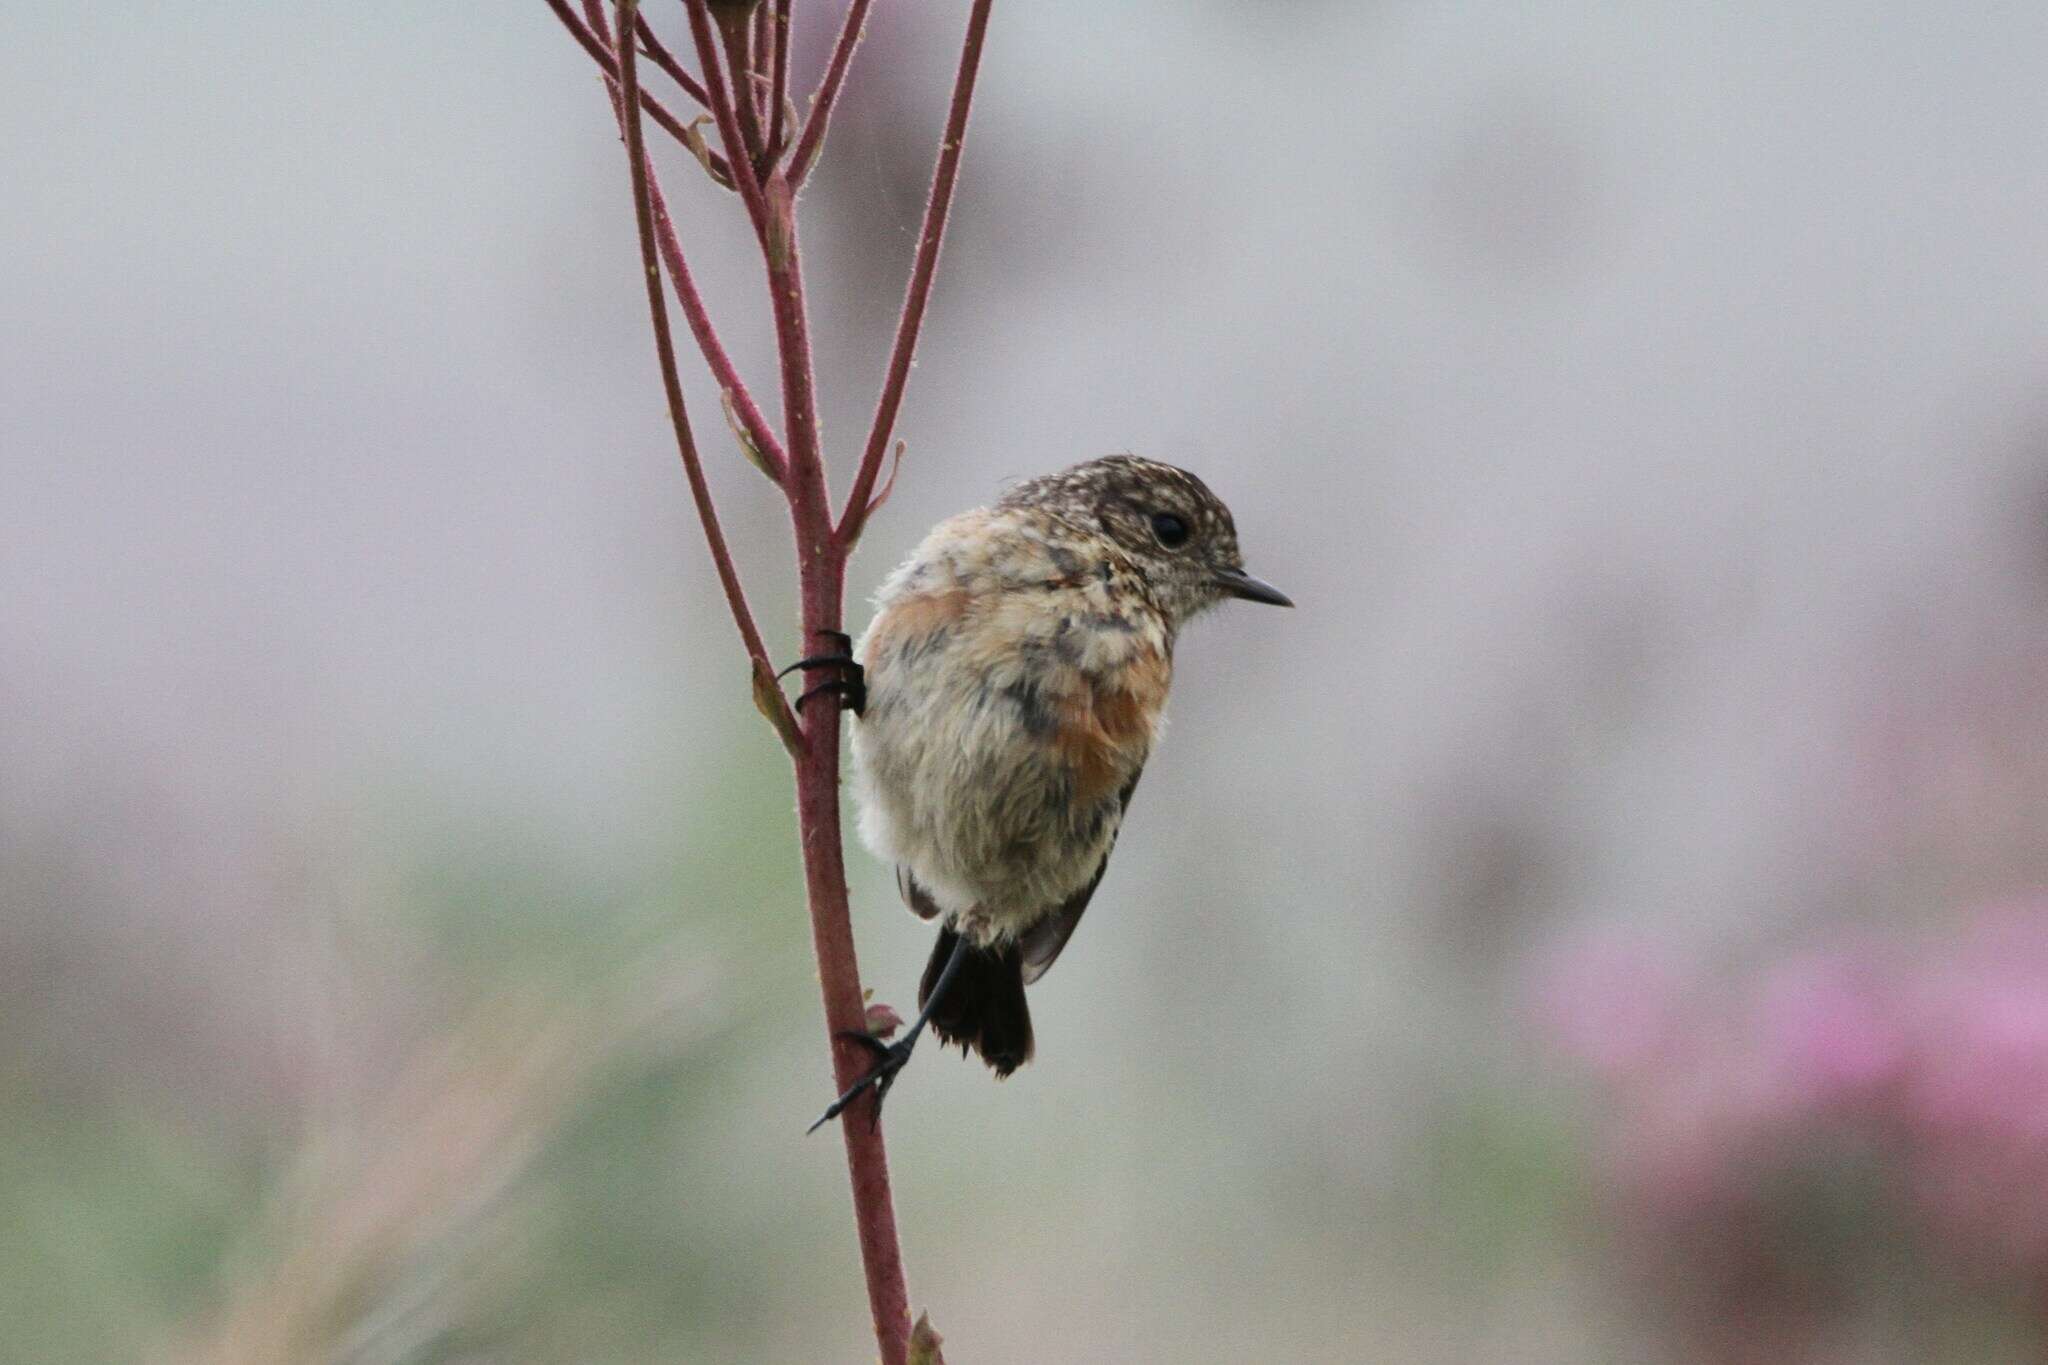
{"x": 1013, "y": 690}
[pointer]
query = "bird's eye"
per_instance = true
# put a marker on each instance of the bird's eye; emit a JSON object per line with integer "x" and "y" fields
{"x": 1171, "y": 530}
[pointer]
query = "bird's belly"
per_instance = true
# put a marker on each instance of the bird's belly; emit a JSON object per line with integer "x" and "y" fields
{"x": 967, "y": 788}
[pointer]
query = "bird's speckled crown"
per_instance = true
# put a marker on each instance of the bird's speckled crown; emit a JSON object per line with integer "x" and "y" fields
{"x": 1118, "y": 495}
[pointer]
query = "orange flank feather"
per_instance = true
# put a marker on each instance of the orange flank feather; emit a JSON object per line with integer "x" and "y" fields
{"x": 1105, "y": 727}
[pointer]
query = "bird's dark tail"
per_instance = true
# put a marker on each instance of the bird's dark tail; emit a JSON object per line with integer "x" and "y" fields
{"x": 983, "y": 1009}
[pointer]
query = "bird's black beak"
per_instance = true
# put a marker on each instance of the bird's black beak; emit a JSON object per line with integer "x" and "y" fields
{"x": 1238, "y": 583}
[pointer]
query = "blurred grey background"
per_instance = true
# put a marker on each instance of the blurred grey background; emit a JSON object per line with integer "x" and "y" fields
{"x": 401, "y": 936}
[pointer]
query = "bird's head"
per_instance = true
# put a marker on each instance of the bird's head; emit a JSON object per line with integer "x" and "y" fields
{"x": 1163, "y": 519}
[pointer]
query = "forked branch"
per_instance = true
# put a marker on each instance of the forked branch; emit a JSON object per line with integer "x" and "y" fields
{"x": 774, "y": 460}
{"x": 828, "y": 92}
{"x": 657, "y": 52}
{"x": 743, "y": 57}
{"x": 665, "y": 353}
{"x": 599, "y": 45}
{"x": 727, "y": 117}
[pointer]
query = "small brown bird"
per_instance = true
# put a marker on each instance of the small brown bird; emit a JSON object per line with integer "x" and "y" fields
{"x": 1009, "y": 690}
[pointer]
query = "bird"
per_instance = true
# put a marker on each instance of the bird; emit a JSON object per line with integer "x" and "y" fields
{"x": 1007, "y": 694}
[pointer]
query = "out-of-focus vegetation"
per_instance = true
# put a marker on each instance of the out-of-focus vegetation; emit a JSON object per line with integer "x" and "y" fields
{"x": 424, "y": 1104}
{"x": 1571, "y": 935}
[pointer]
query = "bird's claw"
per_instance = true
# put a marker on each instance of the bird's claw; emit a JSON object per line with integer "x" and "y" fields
{"x": 889, "y": 1060}
{"x": 851, "y": 686}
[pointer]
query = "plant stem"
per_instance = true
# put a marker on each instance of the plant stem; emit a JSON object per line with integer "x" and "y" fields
{"x": 715, "y": 357}
{"x": 736, "y": 154}
{"x": 778, "y": 90}
{"x": 919, "y": 292}
{"x": 772, "y": 460}
{"x": 817, "y": 787}
{"x": 599, "y": 46}
{"x": 764, "y": 57}
{"x": 828, "y": 92}
{"x": 665, "y": 351}
{"x": 737, "y": 30}
{"x": 822, "y": 579}
{"x": 658, "y": 53}
{"x": 797, "y": 465}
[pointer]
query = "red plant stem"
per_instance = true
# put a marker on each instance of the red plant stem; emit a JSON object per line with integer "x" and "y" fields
{"x": 944, "y": 176}
{"x": 778, "y": 89}
{"x": 658, "y": 53}
{"x": 867, "y": 1160}
{"x": 823, "y": 585}
{"x": 600, "y": 50}
{"x": 694, "y": 312}
{"x": 665, "y": 351}
{"x": 822, "y": 578}
{"x": 764, "y": 57}
{"x": 744, "y": 178}
{"x": 792, "y": 331}
{"x": 822, "y": 547}
{"x": 737, "y": 30}
{"x": 715, "y": 357}
{"x": 820, "y": 116}
{"x": 817, "y": 784}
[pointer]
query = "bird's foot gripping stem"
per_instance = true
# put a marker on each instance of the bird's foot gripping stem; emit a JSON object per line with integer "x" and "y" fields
{"x": 889, "y": 1060}
{"x": 890, "y": 1057}
{"x": 851, "y": 684}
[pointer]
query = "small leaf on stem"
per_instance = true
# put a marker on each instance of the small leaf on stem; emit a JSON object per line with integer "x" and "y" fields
{"x": 748, "y": 446}
{"x": 883, "y": 1020}
{"x": 925, "y": 1342}
{"x": 889, "y": 484}
{"x": 768, "y": 700}
{"x": 693, "y": 138}
{"x": 853, "y": 526}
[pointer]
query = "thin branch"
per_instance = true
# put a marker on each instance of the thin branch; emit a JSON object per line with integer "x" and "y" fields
{"x": 821, "y": 576}
{"x": 799, "y": 382}
{"x": 778, "y": 95}
{"x": 772, "y": 461}
{"x": 769, "y": 195}
{"x": 775, "y": 460}
{"x": 657, "y": 52}
{"x": 665, "y": 351}
{"x": 764, "y": 55}
{"x": 919, "y": 292}
{"x": 737, "y": 30}
{"x": 828, "y": 91}
{"x": 747, "y": 182}
{"x": 600, "y": 50}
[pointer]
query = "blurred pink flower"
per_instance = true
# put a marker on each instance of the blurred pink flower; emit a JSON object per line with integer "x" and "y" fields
{"x": 1899, "y": 1084}
{"x": 1611, "y": 1004}
{"x": 1828, "y": 1031}
{"x": 1976, "y": 1112}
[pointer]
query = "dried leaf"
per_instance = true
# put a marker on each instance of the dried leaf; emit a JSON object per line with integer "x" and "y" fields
{"x": 748, "y": 446}
{"x": 889, "y": 486}
{"x": 874, "y": 503}
{"x": 693, "y": 138}
{"x": 768, "y": 700}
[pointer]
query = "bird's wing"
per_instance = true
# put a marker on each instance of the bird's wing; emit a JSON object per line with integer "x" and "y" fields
{"x": 1040, "y": 947}
{"x": 916, "y": 897}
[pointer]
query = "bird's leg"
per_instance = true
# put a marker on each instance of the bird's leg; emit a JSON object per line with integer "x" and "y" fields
{"x": 851, "y": 686}
{"x": 890, "y": 1058}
